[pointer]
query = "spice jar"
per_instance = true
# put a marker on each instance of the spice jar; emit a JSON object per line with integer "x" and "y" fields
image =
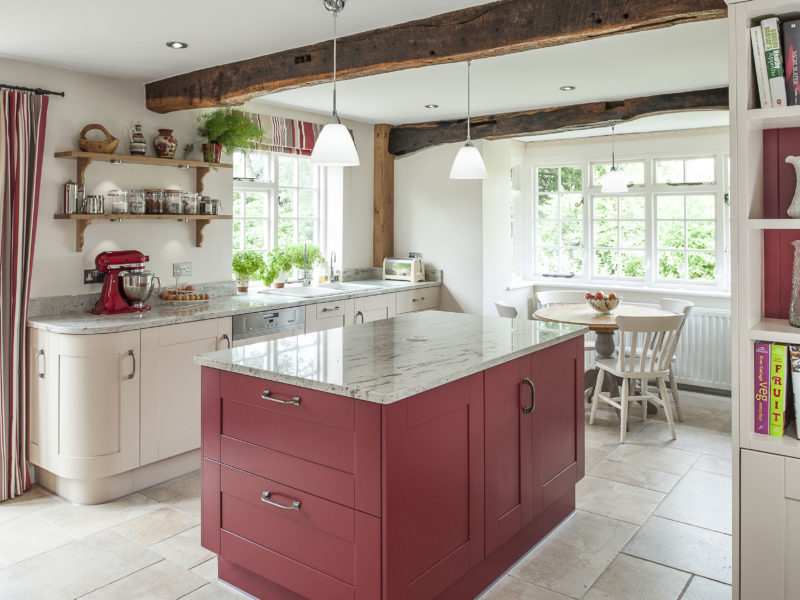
{"x": 136, "y": 203}
{"x": 173, "y": 202}
{"x": 190, "y": 203}
{"x": 118, "y": 199}
{"x": 217, "y": 206}
{"x": 153, "y": 202}
{"x": 206, "y": 206}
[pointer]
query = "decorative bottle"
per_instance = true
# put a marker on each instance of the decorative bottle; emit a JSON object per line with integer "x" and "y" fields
{"x": 794, "y": 305}
{"x": 794, "y": 208}
{"x": 164, "y": 144}
{"x": 137, "y": 145}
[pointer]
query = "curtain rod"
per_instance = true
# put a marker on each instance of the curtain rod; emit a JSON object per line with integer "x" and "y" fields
{"x": 32, "y": 90}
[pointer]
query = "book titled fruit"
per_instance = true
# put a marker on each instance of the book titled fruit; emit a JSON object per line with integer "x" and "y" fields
{"x": 794, "y": 356}
{"x": 777, "y": 390}
{"x": 791, "y": 67}
{"x": 760, "y": 66}
{"x": 774, "y": 57}
{"x": 761, "y": 379}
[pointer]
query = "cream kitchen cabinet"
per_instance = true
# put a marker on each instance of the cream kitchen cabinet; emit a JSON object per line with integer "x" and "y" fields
{"x": 327, "y": 315}
{"x": 420, "y": 299}
{"x": 170, "y": 389}
{"x": 374, "y": 308}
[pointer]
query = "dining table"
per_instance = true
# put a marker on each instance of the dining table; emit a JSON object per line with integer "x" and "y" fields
{"x": 604, "y": 325}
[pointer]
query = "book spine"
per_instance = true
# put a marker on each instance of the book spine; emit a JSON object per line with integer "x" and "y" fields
{"x": 794, "y": 355}
{"x": 760, "y": 66}
{"x": 791, "y": 69}
{"x": 777, "y": 390}
{"x": 774, "y": 56}
{"x": 761, "y": 378}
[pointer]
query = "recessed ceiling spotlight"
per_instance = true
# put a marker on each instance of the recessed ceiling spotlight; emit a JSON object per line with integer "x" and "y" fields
{"x": 431, "y": 106}
{"x": 177, "y": 45}
{"x": 567, "y": 88}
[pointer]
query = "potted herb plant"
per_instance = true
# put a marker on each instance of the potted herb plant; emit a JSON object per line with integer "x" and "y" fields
{"x": 246, "y": 265}
{"x": 227, "y": 129}
{"x": 279, "y": 263}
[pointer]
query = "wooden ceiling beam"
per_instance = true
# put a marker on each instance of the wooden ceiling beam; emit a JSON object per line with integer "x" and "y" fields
{"x": 404, "y": 139}
{"x": 481, "y": 31}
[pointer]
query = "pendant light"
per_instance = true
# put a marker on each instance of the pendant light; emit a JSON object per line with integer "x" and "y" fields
{"x": 334, "y": 147}
{"x": 468, "y": 163}
{"x": 614, "y": 181}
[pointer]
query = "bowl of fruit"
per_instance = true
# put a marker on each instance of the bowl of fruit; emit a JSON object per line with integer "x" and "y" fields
{"x": 602, "y": 303}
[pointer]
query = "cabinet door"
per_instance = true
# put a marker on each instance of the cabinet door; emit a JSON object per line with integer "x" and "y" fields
{"x": 374, "y": 308}
{"x": 433, "y": 483}
{"x": 38, "y": 380}
{"x": 92, "y": 404}
{"x": 558, "y": 423}
{"x": 328, "y": 315}
{"x": 420, "y": 299}
{"x": 171, "y": 385}
{"x": 510, "y": 500}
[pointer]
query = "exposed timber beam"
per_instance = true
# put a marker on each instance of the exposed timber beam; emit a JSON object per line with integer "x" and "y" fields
{"x": 383, "y": 198}
{"x": 410, "y": 138}
{"x": 477, "y": 32}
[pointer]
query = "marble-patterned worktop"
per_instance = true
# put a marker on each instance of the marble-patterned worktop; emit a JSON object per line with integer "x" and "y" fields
{"x": 386, "y": 361}
{"x": 163, "y": 313}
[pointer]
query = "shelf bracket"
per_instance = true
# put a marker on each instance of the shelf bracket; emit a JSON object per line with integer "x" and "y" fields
{"x": 82, "y": 163}
{"x": 200, "y": 174}
{"x": 80, "y": 227}
{"x": 200, "y": 225}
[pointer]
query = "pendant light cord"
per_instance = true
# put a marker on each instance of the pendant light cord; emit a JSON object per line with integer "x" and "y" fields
{"x": 613, "y": 164}
{"x": 335, "y": 14}
{"x": 469, "y": 63}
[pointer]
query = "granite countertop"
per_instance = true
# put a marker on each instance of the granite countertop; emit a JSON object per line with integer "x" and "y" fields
{"x": 386, "y": 361}
{"x": 163, "y": 313}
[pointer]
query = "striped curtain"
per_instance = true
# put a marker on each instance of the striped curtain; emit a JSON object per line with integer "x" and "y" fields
{"x": 23, "y": 119}
{"x": 285, "y": 135}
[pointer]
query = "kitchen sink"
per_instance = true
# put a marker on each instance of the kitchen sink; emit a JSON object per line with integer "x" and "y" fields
{"x": 302, "y": 292}
{"x": 385, "y": 283}
{"x": 348, "y": 286}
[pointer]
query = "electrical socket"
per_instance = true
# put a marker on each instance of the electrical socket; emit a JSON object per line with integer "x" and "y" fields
{"x": 183, "y": 269}
{"x": 415, "y": 255}
{"x": 93, "y": 276}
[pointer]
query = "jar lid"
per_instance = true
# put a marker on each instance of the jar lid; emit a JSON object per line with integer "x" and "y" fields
{"x": 172, "y": 191}
{"x": 206, "y": 198}
{"x": 152, "y": 191}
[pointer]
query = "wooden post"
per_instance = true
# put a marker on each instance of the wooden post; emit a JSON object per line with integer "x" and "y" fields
{"x": 383, "y": 216}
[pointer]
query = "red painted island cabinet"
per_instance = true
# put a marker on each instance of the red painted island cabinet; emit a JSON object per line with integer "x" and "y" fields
{"x": 308, "y": 494}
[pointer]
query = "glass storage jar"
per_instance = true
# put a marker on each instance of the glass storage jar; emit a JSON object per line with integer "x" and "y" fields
{"x": 190, "y": 203}
{"x": 136, "y": 203}
{"x": 118, "y": 199}
{"x": 206, "y": 206}
{"x": 173, "y": 202}
{"x": 153, "y": 201}
{"x": 216, "y": 206}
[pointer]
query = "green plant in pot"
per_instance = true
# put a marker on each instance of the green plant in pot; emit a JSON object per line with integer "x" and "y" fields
{"x": 226, "y": 129}
{"x": 279, "y": 263}
{"x": 246, "y": 266}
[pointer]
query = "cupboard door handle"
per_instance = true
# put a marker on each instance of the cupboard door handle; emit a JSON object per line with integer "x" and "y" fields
{"x": 227, "y": 339}
{"x": 293, "y": 506}
{"x": 133, "y": 358}
{"x": 418, "y": 299}
{"x": 295, "y": 400}
{"x": 362, "y": 316}
{"x": 326, "y": 309}
{"x": 44, "y": 364}
{"x": 529, "y": 409}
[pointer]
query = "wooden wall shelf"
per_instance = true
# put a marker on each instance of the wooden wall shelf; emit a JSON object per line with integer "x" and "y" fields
{"x": 82, "y": 221}
{"x": 85, "y": 159}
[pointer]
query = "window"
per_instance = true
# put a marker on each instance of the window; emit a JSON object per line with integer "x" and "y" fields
{"x": 278, "y": 200}
{"x": 669, "y": 230}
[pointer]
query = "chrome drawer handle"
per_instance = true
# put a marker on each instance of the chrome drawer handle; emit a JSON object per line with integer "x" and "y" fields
{"x": 44, "y": 364}
{"x": 133, "y": 358}
{"x": 227, "y": 339}
{"x": 295, "y": 400}
{"x": 326, "y": 309}
{"x": 529, "y": 409}
{"x": 418, "y": 299}
{"x": 293, "y": 506}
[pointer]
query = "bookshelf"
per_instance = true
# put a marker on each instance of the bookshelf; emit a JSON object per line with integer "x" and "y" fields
{"x": 764, "y": 555}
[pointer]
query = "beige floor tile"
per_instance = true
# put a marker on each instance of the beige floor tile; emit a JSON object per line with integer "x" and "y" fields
{"x": 156, "y": 526}
{"x": 82, "y": 520}
{"x": 616, "y": 500}
{"x": 629, "y": 578}
{"x": 691, "y": 439}
{"x": 208, "y": 570}
{"x": 645, "y": 477}
{"x": 161, "y": 581}
{"x": 28, "y": 536}
{"x": 593, "y": 456}
{"x": 188, "y": 506}
{"x": 184, "y": 549}
{"x": 714, "y": 464}
{"x": 702, "y": 499}
{"x": 76, "y": 568}
{"x": 34, "y": 500}
{"x": 511, "y": 588}
{"x": 685, "y": 547}
{"x": 570, "y": 559}
{"x": 705, "y": 589}
{"x": 661, "y": 458}
{"x": 175, "y": 490}
{"x": 216, "y": 591}
{"x": 710, "y": 419}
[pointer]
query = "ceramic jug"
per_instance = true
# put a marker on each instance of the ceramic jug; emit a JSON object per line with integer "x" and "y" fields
{"x": 137, "y": 146}
{"x": 165, "y": 144}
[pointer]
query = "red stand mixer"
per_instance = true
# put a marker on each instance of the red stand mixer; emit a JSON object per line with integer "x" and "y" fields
{"x": 126, "y": 285}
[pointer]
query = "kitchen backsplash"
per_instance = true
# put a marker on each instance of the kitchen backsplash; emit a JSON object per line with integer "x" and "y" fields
{"x": 377, "y": 273}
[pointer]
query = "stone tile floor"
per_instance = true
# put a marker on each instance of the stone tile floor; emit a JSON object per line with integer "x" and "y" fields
{"x": 653, "y": 521}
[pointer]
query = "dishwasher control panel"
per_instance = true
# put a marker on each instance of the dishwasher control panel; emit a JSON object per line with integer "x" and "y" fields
{"x": 267, "y": 322}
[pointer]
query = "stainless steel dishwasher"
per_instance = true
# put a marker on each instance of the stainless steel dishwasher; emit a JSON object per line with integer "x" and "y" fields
{"x": 268, "y": 325}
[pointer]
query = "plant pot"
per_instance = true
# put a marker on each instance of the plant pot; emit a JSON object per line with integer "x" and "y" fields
{"x": 242, "y": 285}
{"x": 212, "y": 152}
{"x": 278, "y": 285}
{"x": 164, "y": 144}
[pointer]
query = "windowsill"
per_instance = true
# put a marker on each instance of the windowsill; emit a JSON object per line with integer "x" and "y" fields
{"x": 556, "y": 282}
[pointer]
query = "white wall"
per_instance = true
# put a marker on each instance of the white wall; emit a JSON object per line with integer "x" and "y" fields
{"x": 441, "y": 218}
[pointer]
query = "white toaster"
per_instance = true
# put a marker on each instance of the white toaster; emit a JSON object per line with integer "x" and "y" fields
{"x": 404, "y": 269}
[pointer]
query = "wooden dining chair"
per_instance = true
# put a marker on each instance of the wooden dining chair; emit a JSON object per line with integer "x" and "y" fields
{"x": 557, "y": 297}
{"x": 504, "y": 309}
{"x": 660, "y": 335}
{"x": 679, "y": 307}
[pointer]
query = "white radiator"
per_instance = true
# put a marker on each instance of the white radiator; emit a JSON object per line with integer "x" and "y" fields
{"x": 704, "y": 349}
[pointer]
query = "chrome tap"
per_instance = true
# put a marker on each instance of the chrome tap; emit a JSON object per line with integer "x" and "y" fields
{"x": 333, "y": 270}
{"x": 306, "y": 279}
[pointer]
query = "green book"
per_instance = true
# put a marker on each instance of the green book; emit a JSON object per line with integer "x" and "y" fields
{"x": 774, "y": 58}
{"x": 777, "y": 390}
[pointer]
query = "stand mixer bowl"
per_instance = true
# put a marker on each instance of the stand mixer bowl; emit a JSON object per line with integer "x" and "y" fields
{"x": 138, "y": 286}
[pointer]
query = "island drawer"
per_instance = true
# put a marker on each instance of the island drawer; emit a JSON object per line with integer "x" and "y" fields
{"x": 413, "y": 300}
{"x": 315, "y": 548}
{"x": 328, "y": 310}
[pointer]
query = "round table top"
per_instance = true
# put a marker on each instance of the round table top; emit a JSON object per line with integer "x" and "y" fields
{"x": 583, "y": 314}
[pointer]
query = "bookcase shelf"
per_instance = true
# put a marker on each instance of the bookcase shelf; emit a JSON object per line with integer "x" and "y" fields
{"x": 773, "y": 223}
{"x": 775, "y": 330}
{"x": 773, "y": 118}
{"x": 788, "y": 445}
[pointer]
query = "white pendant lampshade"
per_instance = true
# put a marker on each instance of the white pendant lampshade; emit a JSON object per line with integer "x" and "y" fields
{"x": 614, "y": 182}
{"x": 469, "y": 162}
{"x": 334, "y": 147}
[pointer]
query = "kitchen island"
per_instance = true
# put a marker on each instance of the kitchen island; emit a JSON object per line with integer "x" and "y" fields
{"x": 415, "y": 457}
